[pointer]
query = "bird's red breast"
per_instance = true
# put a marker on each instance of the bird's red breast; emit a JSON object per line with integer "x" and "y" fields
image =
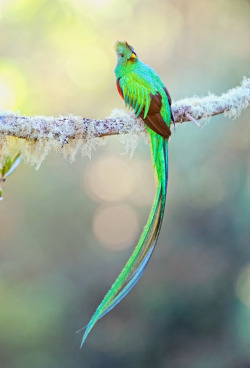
{"x": 119, "y": 88}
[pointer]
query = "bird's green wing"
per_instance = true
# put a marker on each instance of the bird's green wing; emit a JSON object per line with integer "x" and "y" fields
{"x": 137, "y": 93}
{"x": 148, "y": 100}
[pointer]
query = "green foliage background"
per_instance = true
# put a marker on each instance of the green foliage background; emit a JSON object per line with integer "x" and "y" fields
{"x": 191, "y": 308}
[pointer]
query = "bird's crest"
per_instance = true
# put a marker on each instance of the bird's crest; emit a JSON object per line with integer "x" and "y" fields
{"x": 122, "y": 47}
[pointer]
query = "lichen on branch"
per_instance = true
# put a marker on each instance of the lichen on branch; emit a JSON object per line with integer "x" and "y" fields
{"x": 40, "y": 135}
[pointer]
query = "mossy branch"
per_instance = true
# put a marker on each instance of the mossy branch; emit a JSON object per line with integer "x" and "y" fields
{"x": 43, "y": 133}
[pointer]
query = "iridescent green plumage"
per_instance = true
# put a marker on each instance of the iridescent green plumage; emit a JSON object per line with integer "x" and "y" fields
{"x": 144, "y": 92}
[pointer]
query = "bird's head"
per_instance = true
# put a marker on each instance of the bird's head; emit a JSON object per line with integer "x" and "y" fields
{"x": 126, "y": 54}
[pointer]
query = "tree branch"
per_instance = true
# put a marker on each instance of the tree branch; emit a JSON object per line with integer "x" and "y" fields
{"x": 70, "y": 127}
{"x": 39, "y": 130}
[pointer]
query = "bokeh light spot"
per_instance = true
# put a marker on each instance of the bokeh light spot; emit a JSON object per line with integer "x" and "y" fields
{"x": 116, "y": 227}
{"x": 96, "y": 4}
{"x": 144, "y": 189}
{"x": 13, "y": 88}
{"x": 110, "y": 178}
{"x": 243, "y": 286}
{"x": 88, "y": 67}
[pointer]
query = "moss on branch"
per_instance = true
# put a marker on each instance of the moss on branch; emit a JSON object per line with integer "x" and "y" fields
{"x": 40, "y": 135}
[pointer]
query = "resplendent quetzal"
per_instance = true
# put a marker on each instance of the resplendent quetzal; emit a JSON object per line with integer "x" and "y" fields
{"x": 144, "y": 92}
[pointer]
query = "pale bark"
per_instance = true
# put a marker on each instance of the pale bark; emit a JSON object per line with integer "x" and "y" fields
{"x": 65, "y": 128}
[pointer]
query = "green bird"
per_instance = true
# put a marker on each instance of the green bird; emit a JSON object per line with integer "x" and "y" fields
{"x": 143, "y": 91}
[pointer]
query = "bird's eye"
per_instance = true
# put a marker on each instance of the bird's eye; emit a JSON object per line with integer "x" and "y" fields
{"x": 122, "y": 55}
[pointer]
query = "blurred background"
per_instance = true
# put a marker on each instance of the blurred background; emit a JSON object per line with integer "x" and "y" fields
{"x": 67, "y": 230}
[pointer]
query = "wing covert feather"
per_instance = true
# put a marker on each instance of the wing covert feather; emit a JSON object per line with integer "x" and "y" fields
{"x": 146, "y": 102}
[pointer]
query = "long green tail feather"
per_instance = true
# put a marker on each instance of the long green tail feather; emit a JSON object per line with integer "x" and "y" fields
{"x": 138, "y": 261}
